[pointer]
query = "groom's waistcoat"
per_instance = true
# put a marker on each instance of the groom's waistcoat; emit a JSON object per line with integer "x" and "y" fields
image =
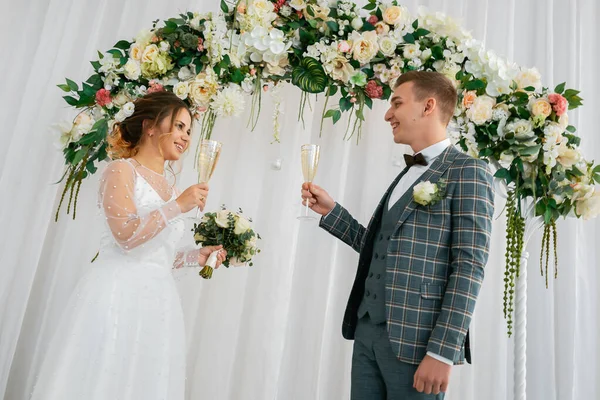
{"x": 373, "y": 301}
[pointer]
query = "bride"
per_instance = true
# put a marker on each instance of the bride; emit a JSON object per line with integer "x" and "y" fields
{"x": 122, "y": 334}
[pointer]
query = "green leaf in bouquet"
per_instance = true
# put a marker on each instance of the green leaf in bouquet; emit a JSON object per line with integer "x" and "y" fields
{"x": 367, "y": 26}
{"x": 560, "y": 88}
{"x": 529, "y": 150}
{"x": 336, "y": 117}
{"x": 503, "y": 173}
{"x": 64, "y": 88}
{"x": 72, "y": 101}
{"x": 415, "y": 24}
{"x": 224, "y": 7}
{"x": 72, "y": 85}
{"x": 369, "y": 102}
{"x": 409, "y": 38}
{"x": 529, "y": 89}
{"x": 96, "y": 65}
{"x": 79, "y": 155}
{"x": 237, "y": 76}
{"x": 421, "y": 32}
{"x": 116, "y": 53}
{"x": 309, "y": 76}
{"x": 370, "y": 6}
{"x": 122, "y": 44}
{"x": 333, "y": 26}
{"x": 571, "y": 128}
{"x": 387, "y": 92}
{"x": 475, "y": 84}
{"x": 438, "y": 53}
{"x": 345, "y": 104}
{"x": 523, "y": 113}
{"x": 96, "y": 81}
{"x": 183, "y": 61}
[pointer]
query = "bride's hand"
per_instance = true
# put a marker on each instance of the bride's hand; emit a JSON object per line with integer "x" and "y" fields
{"x": 194, "y": 196}
{"x": 205, "y": 252}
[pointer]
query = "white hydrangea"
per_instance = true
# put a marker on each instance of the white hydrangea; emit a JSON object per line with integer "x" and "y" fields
{"x": 228, "y": 102}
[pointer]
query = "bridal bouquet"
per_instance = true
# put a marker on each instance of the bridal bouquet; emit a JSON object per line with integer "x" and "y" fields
{"x": 233, "y": 231}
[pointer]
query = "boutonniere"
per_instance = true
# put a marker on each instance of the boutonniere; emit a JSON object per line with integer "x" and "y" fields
{"x": 427, "y": 193}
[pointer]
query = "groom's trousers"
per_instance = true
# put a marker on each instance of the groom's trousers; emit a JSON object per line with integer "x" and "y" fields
{"x": 376, "y": 372}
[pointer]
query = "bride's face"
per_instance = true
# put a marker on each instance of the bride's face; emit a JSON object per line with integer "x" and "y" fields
{"x": 173, "y": 139}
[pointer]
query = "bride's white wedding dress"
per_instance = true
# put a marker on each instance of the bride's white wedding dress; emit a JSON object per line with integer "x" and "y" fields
{"x": 122, "y": 333}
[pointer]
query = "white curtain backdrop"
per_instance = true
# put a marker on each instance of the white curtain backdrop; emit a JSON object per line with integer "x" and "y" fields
{"x": 273, "y": 331}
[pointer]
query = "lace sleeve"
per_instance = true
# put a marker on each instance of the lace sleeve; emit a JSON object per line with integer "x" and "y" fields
{"x": 116, "y": 198}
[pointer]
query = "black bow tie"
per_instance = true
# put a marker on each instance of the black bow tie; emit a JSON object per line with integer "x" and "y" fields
{"x": 416, "y": 159}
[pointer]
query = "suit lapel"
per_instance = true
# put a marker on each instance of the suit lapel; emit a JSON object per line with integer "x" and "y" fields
{"x": 433, "y": 174}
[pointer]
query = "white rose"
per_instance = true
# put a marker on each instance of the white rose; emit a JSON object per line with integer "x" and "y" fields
{"x": 120, "y": 99}
{"x": 387, "y": 45}
{"x": 357, "y": 23}
{"x": 411, "y": 51}
{"x": 241, "y": 225}
{"x": 135, "y": 51}
{"x": 185, "y": 74}
{"x": 521, "y": 128}
{"x": 506, "y": 158}
{"x": 529, "y": 77}
{"x": 298, "y": 4}
{"x": 567, "y": 156}
{"x": 260, "y": 8}
{"x": 164, "y": 46}
{"x": 480, "y": 111}
{"x": 128, "y": 109}
{"x": 340, "y": 69}
{"x": 132, "y": 70}
{"x": 120, "y": 116}
{"x": 424, "y": 192}
{"x": 144, "y": 37}
{"x": 392, "y": 15}
{"x": 222, "y": 218}
{"x": 150, "y": 53}
{"x": 181, "y": 90}
{"x": 426, "y": 55}
{"x": 589, "y": 208}
{"x": 364, "y": 47}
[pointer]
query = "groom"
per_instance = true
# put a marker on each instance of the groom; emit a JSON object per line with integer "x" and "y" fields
{"x": 420, "y": 266}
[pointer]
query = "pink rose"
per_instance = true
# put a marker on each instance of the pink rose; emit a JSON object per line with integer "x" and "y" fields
{"x": 373, "y": 90}
{"x": 200, "y": 44}
{"x": 352, "y": 100}
{"x": 253, "y": 71}
{"x": 559, "y": 103}
{"x": 344, "y": 46}
{"x": 103, "y": 97}
{"x": 155, "y": 87}
{"x": 373, "y": 19}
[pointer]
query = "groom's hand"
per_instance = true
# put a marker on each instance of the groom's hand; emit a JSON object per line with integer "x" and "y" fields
{"x": 432, "y": 376}
{"x": 318, "y": 199}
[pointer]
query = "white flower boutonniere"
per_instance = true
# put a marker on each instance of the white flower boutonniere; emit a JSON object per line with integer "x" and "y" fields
{"x": 427, "y": 193}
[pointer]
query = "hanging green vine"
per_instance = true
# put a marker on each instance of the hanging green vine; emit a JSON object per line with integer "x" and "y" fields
{"x": 515, "y": 230}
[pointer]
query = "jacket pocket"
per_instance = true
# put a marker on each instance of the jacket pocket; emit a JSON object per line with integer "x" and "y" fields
{"x": 432, "y": 291}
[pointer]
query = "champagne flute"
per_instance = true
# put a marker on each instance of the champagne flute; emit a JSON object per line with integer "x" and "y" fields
{"x": 310, "y": 161}
{"x": 207, "y": 156}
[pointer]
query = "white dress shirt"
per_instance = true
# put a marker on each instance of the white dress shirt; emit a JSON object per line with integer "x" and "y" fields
{"x": 430, "y": 153}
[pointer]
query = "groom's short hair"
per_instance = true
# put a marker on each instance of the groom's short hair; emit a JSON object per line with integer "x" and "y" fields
{"x": 432, "y": 84}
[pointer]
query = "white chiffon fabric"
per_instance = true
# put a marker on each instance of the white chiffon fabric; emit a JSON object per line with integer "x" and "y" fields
{"x": 122, "y": 333}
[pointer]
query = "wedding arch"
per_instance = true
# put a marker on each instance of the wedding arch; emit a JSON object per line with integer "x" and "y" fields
{"x": 221, "y": 63}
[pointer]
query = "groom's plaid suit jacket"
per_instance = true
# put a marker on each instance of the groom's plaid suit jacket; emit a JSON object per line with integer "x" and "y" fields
{"x": 435, "y": 259}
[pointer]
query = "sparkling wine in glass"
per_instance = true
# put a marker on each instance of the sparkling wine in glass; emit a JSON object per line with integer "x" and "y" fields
{"x": 207, "y": 157}
{"x": 310, "y": 162}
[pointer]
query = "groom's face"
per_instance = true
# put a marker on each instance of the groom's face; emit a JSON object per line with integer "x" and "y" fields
{"x": 404, "y": 114}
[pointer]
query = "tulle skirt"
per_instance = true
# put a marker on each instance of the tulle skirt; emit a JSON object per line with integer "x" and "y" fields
{"x": 121, "y": 337}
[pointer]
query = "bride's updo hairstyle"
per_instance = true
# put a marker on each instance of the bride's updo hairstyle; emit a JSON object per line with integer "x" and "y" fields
{"x": 126, "y": 137}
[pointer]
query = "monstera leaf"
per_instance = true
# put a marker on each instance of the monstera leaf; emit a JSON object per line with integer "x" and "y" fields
{"x": 309, "y": 76}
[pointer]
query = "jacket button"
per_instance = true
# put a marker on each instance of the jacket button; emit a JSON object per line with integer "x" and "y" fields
{"x": 380, "y": 237}
{"x": 368, "y": 293}
{"x": 388, "y": 238}
{"x": 376, "y": 256}
{"x": 374, "y": 296}
{"x": 378, "y": 276}
{"x": 371, "y": 275}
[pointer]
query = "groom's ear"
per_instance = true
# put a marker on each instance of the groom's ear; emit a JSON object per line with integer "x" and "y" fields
{"x": 430, "y": 104}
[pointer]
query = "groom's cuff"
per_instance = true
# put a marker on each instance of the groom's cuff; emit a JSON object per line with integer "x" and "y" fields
{"x": 439, "y": 358}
